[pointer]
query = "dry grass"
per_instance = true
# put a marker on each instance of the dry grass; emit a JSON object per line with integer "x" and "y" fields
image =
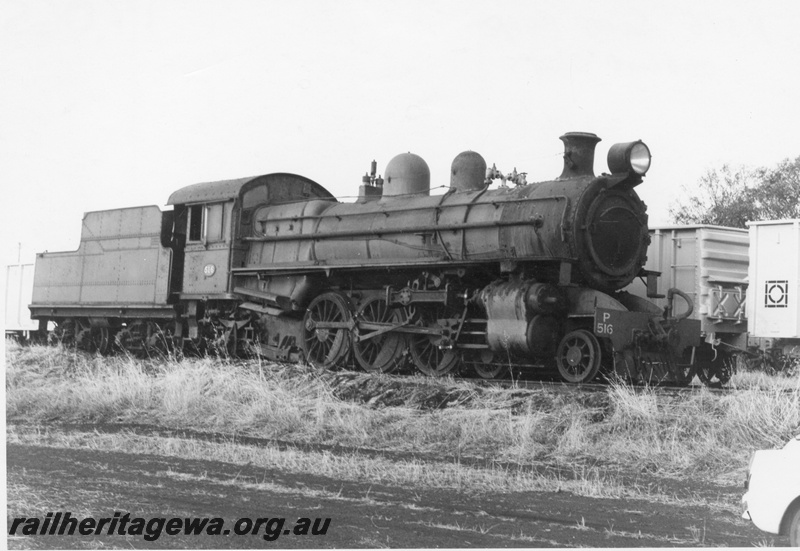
{"x": 700, "y": 432}
{"x": 353, "y": 467}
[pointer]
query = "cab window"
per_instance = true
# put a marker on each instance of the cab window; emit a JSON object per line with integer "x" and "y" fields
{"x": 207, "y": 223}
{"x": 196, "y": 213}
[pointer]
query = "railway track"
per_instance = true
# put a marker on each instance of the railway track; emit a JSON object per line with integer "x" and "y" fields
{"x": 605, "y": 386}
{"x": 530, "y": 382}
{"x": 216, "y": 437}
{"x": 543, "y": 381}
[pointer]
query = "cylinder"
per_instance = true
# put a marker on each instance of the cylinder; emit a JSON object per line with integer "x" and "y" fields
{"x": 518, "y": 319}
{"x": 545, "y": 299}
{"x": 542, "y": 335}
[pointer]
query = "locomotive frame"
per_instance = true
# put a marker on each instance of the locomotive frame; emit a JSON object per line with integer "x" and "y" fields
{"x": 526, "y": 277}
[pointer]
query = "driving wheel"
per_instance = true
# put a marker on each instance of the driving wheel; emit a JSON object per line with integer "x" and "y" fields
{"x": 376, "y": 351}
{"x": 327, "y": 324}
{"x": 425, "y": 349}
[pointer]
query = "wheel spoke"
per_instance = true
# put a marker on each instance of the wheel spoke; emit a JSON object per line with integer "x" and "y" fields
{"x": 327, "y": 347}
{"x": 425, "y": 352}
{"x": 578, "y": 356}
{"x": 384, "y": 352}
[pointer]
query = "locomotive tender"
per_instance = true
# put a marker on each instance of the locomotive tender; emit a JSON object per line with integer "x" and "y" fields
{"x": 525, "y": 275}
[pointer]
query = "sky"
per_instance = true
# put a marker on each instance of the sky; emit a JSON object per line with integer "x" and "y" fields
{"x": 107, "y": 104}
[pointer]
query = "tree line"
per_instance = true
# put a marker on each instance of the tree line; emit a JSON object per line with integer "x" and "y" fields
{"x": 733, "y": 196}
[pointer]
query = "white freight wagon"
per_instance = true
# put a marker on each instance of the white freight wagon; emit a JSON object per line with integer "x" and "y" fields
{"x": 774, "y": 301}
{"x": 710, "y": 264}
{"x": 19, "y": 290}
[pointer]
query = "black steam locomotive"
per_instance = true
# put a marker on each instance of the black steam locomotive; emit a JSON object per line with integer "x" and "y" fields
{"x": 527, "y": 275}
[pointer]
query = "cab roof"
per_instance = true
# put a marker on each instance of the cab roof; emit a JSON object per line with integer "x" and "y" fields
{"x": 226, "y": 190}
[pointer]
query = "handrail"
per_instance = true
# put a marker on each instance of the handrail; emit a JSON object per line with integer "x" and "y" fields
{"x": 391, "y": 231}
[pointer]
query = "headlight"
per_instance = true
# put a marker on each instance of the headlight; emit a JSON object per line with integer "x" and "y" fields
{"x": 629, "y": 157}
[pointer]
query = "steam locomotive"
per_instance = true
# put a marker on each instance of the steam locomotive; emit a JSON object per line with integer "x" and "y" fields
{"x": 481, "y": 278}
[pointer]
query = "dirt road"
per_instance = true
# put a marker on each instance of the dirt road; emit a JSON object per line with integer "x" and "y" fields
{"x": 100, "y": 483}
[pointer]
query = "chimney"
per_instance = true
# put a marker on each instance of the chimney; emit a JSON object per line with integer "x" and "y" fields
{"x": 578, "y": 154}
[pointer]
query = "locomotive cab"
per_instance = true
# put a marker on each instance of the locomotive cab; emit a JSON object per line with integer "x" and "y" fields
{"x": 211, "y": 220}
{"x": 205, "y": 231}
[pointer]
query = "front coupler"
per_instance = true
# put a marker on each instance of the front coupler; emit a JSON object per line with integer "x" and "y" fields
{"x": 649, "y": 347}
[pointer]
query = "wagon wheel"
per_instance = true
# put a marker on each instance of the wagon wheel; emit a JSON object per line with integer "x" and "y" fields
{"x": 683, "y": 375}
{"x": 578, "y": 356}
{"x": 384, "y": 352}
{"x": 425, "y": 352}
{"x": 326, "y": 330}
{"x": 713, "y": 373}
{"x": 714, "y": 368}
{"x": 480, "y": 361}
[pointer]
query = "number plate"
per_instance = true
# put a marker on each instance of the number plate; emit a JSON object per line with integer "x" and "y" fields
{"x": 618, "y": 325}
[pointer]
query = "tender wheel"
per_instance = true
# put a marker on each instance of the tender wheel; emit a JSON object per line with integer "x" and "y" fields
{"x": 63, "y": 333}
{"x": 101, "y": 340}
{"x": 145, "y": 338}
{"x": 578, "y": 356}
{"x": 127, "y": 339}
{"x": 326, "y": 330}
{"x": 384, "y": 352}
{"x": 160, "y": 339}
{"x": 92, "y": 339}
{"x": 425, "y": 352}
{"x": 83, "y": 335}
